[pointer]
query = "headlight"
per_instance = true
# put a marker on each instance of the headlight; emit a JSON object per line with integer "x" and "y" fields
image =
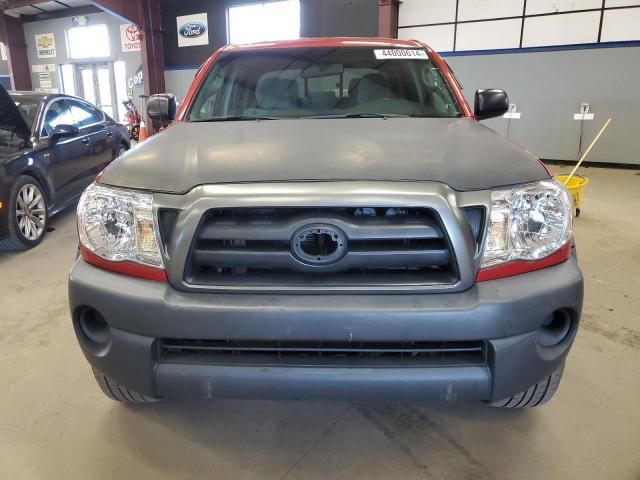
{"x": 528, "y": 222}
{"x": 118, "y": 225}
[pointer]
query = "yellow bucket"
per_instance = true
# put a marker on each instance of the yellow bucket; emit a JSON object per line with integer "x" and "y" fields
{"x": 576, "y": 189}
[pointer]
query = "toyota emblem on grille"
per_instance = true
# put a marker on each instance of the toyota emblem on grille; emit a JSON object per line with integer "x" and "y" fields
{"x": 319, "y": 244}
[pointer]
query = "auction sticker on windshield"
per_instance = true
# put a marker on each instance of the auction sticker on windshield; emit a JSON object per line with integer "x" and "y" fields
{"x": 400, "y": 54}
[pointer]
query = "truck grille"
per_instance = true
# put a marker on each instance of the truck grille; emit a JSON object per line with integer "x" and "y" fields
{"x": 239, "y": 247}
{"x": 314, "y": 353}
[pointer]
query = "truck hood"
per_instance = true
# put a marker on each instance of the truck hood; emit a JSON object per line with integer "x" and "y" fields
{"x": 460, "y": 152}
{"x": 10, "y": 117}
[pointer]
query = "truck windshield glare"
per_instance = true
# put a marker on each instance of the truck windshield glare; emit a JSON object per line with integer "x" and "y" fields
{"x": 313, "y": 82}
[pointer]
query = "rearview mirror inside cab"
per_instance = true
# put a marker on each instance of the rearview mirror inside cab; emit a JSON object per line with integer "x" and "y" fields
{"x": 490, "y": 103}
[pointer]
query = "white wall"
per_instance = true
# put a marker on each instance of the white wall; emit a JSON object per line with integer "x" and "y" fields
{"x": 467, "y": 25}
{"x": 549, "y": 83}
{"x": 179, "y": 81}
{"x": 484, "y": 9}
{"x": 548, "y": 88}
{"x": 564, "y": 29}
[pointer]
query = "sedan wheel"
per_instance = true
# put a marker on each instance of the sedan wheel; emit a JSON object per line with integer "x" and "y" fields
{"x": 31, "y": 212}
{"x": 26, "y": 216}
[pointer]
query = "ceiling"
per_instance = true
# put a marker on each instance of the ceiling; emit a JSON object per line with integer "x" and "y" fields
{"x": 16, "y": 8}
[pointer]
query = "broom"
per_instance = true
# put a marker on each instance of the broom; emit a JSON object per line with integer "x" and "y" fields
{"x": 584, "y": 155}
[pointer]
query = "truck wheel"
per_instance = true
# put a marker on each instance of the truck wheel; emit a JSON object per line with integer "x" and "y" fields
{"x": 27, "y": 215}
{"x": 535, "y": 395}
{"x": 119, "y": 393}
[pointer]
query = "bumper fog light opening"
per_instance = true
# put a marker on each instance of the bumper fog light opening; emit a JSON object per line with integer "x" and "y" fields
{"x": 555, "y": 329}
{"x": 93, "y": 330}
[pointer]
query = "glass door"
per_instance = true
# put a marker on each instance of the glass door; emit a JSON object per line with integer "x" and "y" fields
{"x": 88, "y": 83}
{"x": 97, "y": 86}
{"x": 103, "y": 78}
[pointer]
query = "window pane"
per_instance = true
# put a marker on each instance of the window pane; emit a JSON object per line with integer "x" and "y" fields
{"x": 88, "y": 42}
{"x": 245, "y": 24}
{"x": 264, "y": 21}
{"x": 104, "y": 87}
{"x": 57, "y": 114}
{"x": 68, "y": 79}
{"x": 282, "y": 20}
{"x": 121, "y": 86}
{"x": 84, "y": 115}
{"x": 87, "y": 85}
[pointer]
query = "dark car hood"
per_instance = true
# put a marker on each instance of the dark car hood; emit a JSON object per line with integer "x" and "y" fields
{"x": 460, "y": 152}
{"x": 10, "y": 117}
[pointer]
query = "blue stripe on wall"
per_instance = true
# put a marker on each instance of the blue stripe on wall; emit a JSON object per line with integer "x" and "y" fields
{"x": 555, "y": 48}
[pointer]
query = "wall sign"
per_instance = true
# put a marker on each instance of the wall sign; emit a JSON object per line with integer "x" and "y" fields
{"x": 513, "y": 112}
{"x": 137, "y": 80}
{"x": 3, "y": 52}
{"x": 45, "y": 80}
{"x": 130, "y": 38}
{"x": 46, "y": 45}
{"x": 47, "y": 67}
{"x": 193, "y": 30}
{"x": 79, "y": 21}
{"x": 46, "y": 90}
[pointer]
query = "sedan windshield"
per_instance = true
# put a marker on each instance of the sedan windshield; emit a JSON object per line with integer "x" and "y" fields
{"x": 28, "y": 106}
{"x": 338, "y": 82}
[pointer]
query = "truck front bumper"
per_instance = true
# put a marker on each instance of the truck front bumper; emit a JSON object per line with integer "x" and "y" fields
{"x": 507, "y": 317}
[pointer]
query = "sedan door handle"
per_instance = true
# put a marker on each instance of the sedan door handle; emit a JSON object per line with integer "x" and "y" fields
{"x": 85, "y": 140}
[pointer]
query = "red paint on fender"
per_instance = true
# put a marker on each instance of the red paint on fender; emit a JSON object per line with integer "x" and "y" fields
{"x": 518, "y": 267}
{"x": 126, "y": 268}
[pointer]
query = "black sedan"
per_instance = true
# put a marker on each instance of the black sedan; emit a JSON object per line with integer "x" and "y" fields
{"x": 51, "y": 148}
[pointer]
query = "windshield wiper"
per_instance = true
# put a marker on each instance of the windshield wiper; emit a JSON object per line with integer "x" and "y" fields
{"x": 234, "y": 118}
{"x": 357, "y": 115}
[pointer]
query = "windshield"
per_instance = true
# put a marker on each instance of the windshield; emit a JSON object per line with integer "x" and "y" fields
{"x": 317, "y": 82}
{"x": 28, "y": 107}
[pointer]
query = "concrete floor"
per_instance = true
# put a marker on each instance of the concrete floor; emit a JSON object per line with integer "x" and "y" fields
{"x": 55, "y": 423}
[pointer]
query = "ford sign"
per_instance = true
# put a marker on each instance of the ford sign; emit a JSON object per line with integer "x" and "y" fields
{"x": 192, "y": 30}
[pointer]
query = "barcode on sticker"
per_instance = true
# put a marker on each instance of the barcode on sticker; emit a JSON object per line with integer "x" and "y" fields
{"x": 400, "y": 54}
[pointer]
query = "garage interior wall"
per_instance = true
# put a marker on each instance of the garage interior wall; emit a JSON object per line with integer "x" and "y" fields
{"x": 318, "y": 18}
{"x": 5, "y": 78}
{"x": 550, "y": 56}
{"x": 58, "y": 27}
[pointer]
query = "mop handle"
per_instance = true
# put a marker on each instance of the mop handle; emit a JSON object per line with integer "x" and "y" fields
{"x": 584, "y": 155}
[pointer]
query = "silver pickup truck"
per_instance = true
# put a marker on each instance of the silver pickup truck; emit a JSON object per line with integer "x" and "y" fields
{"x": 327, "y": 218}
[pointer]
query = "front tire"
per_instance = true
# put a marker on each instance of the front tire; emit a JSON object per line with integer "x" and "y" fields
{"x": 117, "y": 392}
{"x": 27, "y": 215}
{"x": 122, "y": 149}
{"x": 534, "y": 396}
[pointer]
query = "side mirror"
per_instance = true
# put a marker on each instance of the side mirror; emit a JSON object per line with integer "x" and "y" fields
{"x": 162, "y": 107}
{"x": 63, "y": 131}
{"x": 490, "y": 103}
